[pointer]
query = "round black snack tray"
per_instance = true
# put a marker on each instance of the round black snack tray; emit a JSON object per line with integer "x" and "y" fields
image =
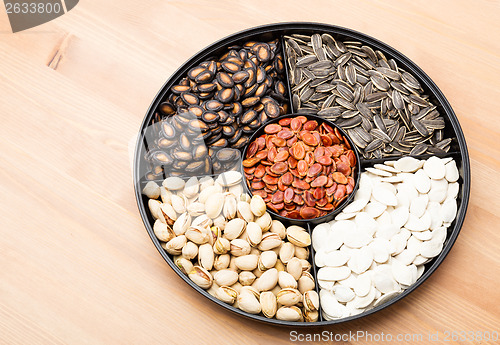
{"x": 458, "y": 150}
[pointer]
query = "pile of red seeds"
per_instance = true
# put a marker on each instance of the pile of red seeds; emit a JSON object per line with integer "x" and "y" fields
{"x": 301, "y": 168}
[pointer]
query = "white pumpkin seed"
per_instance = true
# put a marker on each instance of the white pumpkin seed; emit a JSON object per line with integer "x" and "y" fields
{"x": 434, "y": 168}
{"x": 407, "y": 164}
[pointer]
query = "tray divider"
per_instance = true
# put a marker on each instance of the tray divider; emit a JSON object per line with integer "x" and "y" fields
{"x": 287, "y": 74}
{"x": 314, "y": 272}
{"x": 370, "y": 162}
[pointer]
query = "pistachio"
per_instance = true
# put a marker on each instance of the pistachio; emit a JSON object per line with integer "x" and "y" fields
{"x": 201, "y": 277}
{"x": 298, "y": 236}
{"x": 226, "y": 294}
{"x": 220, "y": 222}
{"x": 190, "y": 250}
{"x": 179, "y": 203}
{"x": 214, "y": 204}
{"x": 213, "y": 234}
{"x": 289, "y": 314}
{"x": 243, "y": 211}
{"x": 276, "y": 289}
{"x": 267, "y": 260}
{"x": 245, "y": 197}
{"x": 232, "y": 264}
{"x": 269, "y": 241}
{"x": 248, "y": 302}
{"x": 268, "y": 280}
{"x": 255, "y": 284}
{"x": 289, "y": 297}
{"x": 202, "y": 220}
{"x": 222, "y": 261}
{"x": 257, "y": 205}
{"x": 251, "y": 290}
{"x": 237, "y": 287}
{"x": 154, "y": 207}
{"x": 205, "y": 182}
{"x": 167, "y": 214}
{"x": 173, "y": 183}
{"x": 239, "y": 247}
{"x": 278, "y": 228}
{"x": 235, "y": 304}
{"x": 197, "y": 234}
{"x": 226, "y": 277}
{"x": 311, "y": 316}
{"x": 244, "y": 235}
{"x": 279, "y": 265}
{"x": 205, "y": 193}
{"x": 229, "y": 208}
{"x": 236, "y": 190}
{"x": 196, "y": 209}
{"x": 257, "y": 272}
{"x": 264, "y": 221}
{"x": 255, "y": 251}
{"x": 246, "y": 262}
{"x": 191, "y": 187}
{"x": 277, "y": 249}
{"x": 287, "y": 252}
{"x": 306, "y": 282}
{"x": 246, "y": 278}
{"x": 165, "y": 195}
{"x": 234, "y": 228}
{"x": 268, "y": 304}
{"x": 163, "y": 231}
{"x": 221, "y": 246}
{"x": 306, "y": 265}
{"x": 294, "y": 267}
{"x": 311, "y": 300}
{"x": 206, "y": 256}
{"x": 229, "y": 178}
{"x": 302, "y": 253}
{"x": 213, "y": 288}
{"x": 151, "y": 190}
{"x": 191, "y": 201}
{"x": 184, "y": 264}
{"x": 174, "y": 246}
{"x": 286, "y": 280}
{"x": 182, "y": 224}
{"x": 254, "y": 233}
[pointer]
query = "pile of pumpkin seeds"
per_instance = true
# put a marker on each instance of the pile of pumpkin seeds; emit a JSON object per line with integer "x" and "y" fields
{"x": 383, "y": 108}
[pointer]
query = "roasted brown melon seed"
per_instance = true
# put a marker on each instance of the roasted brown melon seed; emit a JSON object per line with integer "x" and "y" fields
{"x": 178, "y": 89}
{"x": 225, "y": 79}
{"x": 210, "y": 117}
{"x": 204, "y": 77}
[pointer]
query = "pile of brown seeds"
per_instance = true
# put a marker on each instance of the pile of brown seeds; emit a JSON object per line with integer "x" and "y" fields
{"x": 382, "y": 107}
{"x": 218, "y": 105}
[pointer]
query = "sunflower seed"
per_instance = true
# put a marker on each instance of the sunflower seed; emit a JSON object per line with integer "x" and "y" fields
{"x": 418, "y": 149}
{"x": 420, "y": 127}
{"x": 410, "y": 80}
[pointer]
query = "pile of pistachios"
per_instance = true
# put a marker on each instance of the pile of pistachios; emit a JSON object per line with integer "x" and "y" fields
{"x": 227, "y": 243}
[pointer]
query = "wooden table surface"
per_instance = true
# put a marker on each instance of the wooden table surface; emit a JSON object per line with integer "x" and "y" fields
{"x": 76, "y": 264}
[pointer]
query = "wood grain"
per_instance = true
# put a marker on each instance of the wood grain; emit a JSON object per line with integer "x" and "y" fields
{"x": 76, "y": 264}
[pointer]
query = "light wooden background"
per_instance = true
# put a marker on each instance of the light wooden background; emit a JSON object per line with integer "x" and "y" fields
{"x": 76, "y": 264}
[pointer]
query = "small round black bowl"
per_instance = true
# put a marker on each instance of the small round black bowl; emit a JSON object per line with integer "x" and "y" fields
{"x": 334, "y": 212}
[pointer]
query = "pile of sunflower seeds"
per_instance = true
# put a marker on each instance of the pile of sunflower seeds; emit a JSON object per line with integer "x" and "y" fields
{"x": 382, "y": 107}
